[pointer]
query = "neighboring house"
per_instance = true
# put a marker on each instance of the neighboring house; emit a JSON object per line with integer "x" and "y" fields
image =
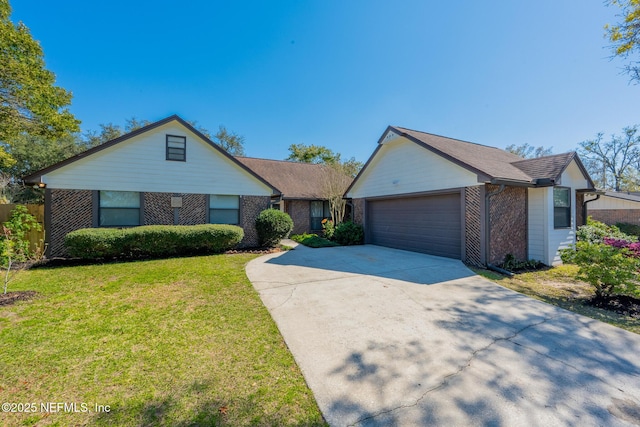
{"x": 446, "y": 197}
{"x": 301, "y": 186}
{"x": 164, "y": 173}
{"x": 613, "y": 207}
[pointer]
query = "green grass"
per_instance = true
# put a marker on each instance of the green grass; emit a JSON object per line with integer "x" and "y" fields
{"x": 174, "y": 342}
{"x": 313, "y": 240}
{"x": 558, "y": 286}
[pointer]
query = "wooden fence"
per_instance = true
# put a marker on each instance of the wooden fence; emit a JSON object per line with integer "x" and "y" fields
{"x": 36, "y": 238}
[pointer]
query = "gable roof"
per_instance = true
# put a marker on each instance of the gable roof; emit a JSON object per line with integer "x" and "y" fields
{"x": 36, "y": 176}
{"x": 491, "y": 164}
{"x": 294, "y": 179}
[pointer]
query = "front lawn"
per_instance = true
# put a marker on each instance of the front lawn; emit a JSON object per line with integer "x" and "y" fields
{"x": 557, "y": 286}
{"x": 176, "y": 342}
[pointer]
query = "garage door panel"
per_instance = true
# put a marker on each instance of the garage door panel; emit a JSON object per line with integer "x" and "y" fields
{"x": 428, "y": 224}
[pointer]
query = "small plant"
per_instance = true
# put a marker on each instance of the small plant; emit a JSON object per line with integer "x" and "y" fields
{"x": 349, "y": 233}
{"x": 15, "y": 246}
{"x": 511, "y": 263}
{"x": 272, "y": 226}
{"x": 610, "y": 270}
{"x": 329, "y": 228}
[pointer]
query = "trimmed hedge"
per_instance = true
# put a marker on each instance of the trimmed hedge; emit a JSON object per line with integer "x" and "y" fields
{"x": 152, "y": 241}
{"x": 272, "y": 226}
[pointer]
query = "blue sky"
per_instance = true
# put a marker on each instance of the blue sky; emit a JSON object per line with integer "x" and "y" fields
{"x": 336, "y": 73}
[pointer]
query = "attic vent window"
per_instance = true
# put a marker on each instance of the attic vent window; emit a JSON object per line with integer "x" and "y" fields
{"x": 177, "y": 148}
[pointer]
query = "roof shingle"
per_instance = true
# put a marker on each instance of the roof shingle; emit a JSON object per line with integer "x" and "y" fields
{"x": 295, "y": 180}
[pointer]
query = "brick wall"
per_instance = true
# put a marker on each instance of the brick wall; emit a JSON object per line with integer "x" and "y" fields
{"x": 157, "y": 209}
{"x": 507, "y": 223}
{"x": 580, "y": 219}
{"x": 69, "y": 210}
{"x": 194, "y": 209}
{"x": 358, "y": 211}
{"x": 612, "y": 216}
{"x": 250, "y": 207}
{"x": 300, "y": 213}
{"x": 473, "y": 225}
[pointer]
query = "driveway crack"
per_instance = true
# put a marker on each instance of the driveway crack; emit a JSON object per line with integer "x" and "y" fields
{"x": 293, "y": 289}
{"x": 460, "y": 370}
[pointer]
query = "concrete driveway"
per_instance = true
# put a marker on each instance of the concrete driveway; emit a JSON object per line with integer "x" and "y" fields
{"x": 388, "y": 337}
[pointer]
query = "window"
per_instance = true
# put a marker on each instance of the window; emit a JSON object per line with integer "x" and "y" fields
{"x": 224, "y": 209}
{"x": 561, "y": 207}
{"x": 177, "y": 148}
{"x": 319, "y": 211}
{"x": 119, "y": 209}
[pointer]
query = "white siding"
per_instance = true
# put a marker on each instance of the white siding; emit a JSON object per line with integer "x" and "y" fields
{"x": 538, "y": 219}
{"x": 561, "y": 238}
{"x": 139, "y": 164}
{"x": 606, "y": 202}
{"x": 402, "y": 166}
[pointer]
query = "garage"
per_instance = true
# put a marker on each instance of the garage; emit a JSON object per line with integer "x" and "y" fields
{"x": 428, "y": 224}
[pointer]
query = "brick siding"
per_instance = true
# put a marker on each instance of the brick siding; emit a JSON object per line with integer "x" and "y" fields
{"x": 250, "y": 207}
{"x": 473, "y": 225}
{"x": 300, "y": 213}
{"x": 358, "y": 211}
{"x": 70, "y": 210}
{"x": 194, "y": 209}
{"x": 508, "y": 223}
{"x": 580, "y": 219}
{"x": 157, "y": 209}
{"x": 613, "y": 216}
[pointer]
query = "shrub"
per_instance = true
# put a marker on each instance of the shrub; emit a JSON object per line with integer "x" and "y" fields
{"x": 272, "y": 226}
{"x": 349, "y": 233}
{"x": 152, "y": 241}
{"x": 313, "y": 240}
{"x": 329, "y": 228}
{"x": 630, "y": 229}
{"x": 596, "y": 231}
{"x": 608, "y": 269}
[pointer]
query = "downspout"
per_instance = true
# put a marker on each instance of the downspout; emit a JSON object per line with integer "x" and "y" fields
{"x": 487, "y": 213}
{"x": 584, "y": 206}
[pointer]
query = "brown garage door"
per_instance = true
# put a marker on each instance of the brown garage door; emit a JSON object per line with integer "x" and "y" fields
{"x": 429, "y": 224}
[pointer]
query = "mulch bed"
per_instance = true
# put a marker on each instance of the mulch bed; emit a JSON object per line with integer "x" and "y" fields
{"x": 621, "y": 304}
{"x": 15, "y": 296}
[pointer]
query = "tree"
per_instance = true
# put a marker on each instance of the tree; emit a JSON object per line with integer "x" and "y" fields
{"x": 231, "y": 142}
{"x": 32, "y": 153}
{"x": 134, "y": 124}
{"x": 529, "y": 151}
{"x": 108, "y": 132}
{"x": 336, "y": 179}
{"x": 14, "y": 243}
{"x": 312, "y": 154}
{"x": 30, "y": 102}
{"x": 612, "y": 162}
{"x": 625, "y": 35}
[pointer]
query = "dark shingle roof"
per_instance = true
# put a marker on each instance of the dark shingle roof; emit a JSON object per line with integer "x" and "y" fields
{"x": 295, "y": 180}
{"x": 547, "y": 166}
{"x": 490, "y": 161}
{"x": 493, "y": 162}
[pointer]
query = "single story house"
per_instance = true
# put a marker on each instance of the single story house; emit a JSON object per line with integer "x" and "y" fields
{"x": 301, "y": 190}
{"x": 446, "y": 197}
{"x": 164, "y": 173}
{"x": 613, "y": 207}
